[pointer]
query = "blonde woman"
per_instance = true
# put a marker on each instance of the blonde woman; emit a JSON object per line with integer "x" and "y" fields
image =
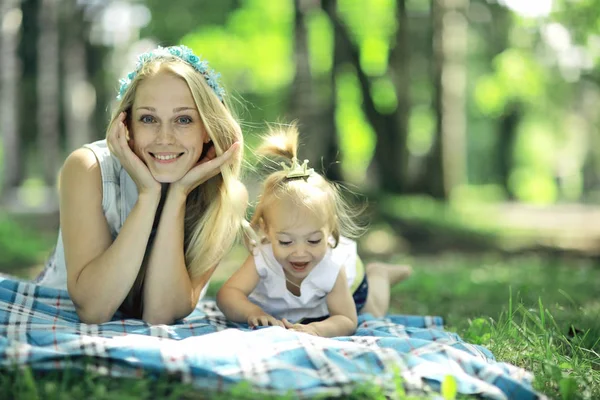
{"x": 304, "y": 273}
{"x": 147, "y": 214}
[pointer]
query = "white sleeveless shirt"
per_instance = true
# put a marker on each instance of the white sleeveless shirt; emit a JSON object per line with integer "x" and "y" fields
{"x": 119, "y": 195}
{"x": 272, "y": 295}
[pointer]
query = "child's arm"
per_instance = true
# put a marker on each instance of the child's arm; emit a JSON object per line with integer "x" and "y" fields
{"x": 342, "y": 320}
{"x": 232, "y": 298}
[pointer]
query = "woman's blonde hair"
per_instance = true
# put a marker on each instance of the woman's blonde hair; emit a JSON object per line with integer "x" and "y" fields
{"x": 215, "y": 209}
{"x": 311, "y": 191}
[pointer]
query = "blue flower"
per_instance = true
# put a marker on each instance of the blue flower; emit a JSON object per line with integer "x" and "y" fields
{"x": 182, "y": 52}
{"x": 176, "y": 51}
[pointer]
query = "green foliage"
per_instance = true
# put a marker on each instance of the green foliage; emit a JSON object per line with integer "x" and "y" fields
{"x": 258, "y": 39}
{"x": 356, "y": 136}
{"x": 20, "y": 246}
{"x": 320, "y": 43}
{"x": 373, "y": 28}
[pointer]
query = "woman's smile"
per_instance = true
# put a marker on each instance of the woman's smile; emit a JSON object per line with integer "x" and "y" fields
{"x": 166, "y": 158}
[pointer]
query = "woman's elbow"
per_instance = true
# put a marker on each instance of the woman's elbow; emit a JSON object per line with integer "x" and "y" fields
{"x": 159, "y": 320}
{"x": 164, "y": 316}
{"x": 92, "y": 317}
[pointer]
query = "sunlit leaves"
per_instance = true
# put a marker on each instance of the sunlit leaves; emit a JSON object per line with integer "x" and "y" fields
{"x": 357, "y": 138}
{"x": 320, "y": 42}
{"x": 373, "y": 24}
{"x": 517, "y": 77}
{"x": 254, "y": 49}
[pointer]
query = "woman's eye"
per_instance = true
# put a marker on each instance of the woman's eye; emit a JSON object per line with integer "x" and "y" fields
{"x": 147, "y": 119}
{"x": 284, "y": 243}
{"x": 184, "y": 120}
{"x": 315, "y": 241}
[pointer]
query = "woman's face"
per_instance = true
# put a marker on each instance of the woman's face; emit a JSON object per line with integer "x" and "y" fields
{"x": 166, "y": 131}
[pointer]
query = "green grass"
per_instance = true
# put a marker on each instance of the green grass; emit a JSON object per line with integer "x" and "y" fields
{"x": 537, "y": 313}
{"x": 523, "y": 309}
{"x": 21, "y": 247}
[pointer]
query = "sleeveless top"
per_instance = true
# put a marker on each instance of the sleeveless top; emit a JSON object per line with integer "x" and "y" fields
{"x": 119, "y": 195}
{"x": 271, "y": 293}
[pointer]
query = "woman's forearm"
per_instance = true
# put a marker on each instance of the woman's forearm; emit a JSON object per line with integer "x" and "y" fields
{"x": 103, "y": 284}
{"x": 168, "y": 290}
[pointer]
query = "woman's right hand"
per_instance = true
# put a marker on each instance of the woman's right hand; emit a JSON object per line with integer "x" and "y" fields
{"x": 118, "y": 140}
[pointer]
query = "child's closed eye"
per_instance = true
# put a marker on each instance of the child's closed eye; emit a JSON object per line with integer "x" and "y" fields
{"x": 284, "y": 242}
{"x": 315, "y": 241}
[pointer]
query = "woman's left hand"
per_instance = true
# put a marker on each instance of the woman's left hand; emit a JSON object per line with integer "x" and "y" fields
{"x": 207, "y": 167}
{"x": 310, "y": 329}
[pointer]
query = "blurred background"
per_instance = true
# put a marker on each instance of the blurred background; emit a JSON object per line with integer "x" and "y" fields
{"x": 466, "y": 125}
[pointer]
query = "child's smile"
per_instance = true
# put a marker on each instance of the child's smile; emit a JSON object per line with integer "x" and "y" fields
{"x": 298, "y": 237}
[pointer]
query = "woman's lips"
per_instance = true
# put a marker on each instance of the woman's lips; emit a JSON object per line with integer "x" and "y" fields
{"x": 165, "y": 158}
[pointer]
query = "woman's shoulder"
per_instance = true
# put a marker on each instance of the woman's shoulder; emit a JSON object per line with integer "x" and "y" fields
{"x": 80, "y": 163}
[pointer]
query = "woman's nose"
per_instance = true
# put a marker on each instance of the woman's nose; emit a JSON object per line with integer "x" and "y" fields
{"x": 165, "y": 135}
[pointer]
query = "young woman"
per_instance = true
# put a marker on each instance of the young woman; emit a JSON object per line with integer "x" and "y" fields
{"x": 147, "y": 214}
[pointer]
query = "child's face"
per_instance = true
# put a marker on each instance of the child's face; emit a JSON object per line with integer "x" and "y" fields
{"x": 167, "y": 133}
{"x": 299, "y": 239}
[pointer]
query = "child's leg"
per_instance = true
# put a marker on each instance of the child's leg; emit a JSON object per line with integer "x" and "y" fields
{"x": 381, "y": 277}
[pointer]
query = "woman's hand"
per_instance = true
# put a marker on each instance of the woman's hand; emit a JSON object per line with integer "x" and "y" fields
{"x": 263, "y": 320}
{"x": 207, "y": 167}
{"x": 310, "y": 329}
{"x": 118, "y": 139}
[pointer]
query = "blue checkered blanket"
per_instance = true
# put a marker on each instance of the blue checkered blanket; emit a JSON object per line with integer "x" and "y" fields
{"x": 40, "y": 329}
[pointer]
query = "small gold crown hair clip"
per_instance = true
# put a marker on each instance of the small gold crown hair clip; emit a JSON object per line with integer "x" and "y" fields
{"x": 296, "y": 170}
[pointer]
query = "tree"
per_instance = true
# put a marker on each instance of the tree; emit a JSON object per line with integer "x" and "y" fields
{"x": 446, "y": 165}
{"x": 79, "y": 96}
{"x": 48, "y": 109}
{"x": 10, "y": 68}
{"x": 313, "y": 108}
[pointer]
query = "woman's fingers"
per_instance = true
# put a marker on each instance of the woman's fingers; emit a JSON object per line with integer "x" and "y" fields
{"x": 223, "y": 158}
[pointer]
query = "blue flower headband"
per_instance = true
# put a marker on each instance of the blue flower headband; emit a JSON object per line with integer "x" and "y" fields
{"x": 182, "y": 52}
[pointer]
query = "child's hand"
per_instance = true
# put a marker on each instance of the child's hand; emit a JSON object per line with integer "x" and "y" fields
{"x": 310, "y": 329}
{"x": 263, "y": 320}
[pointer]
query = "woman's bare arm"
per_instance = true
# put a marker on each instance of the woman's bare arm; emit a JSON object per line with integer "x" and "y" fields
{"x": 100, "y": 272}
{"x": 169, "y": 293}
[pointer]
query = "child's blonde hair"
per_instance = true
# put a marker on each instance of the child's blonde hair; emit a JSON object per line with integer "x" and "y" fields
{"x": 215, "y": 209}
{"x": 311, "y": 191}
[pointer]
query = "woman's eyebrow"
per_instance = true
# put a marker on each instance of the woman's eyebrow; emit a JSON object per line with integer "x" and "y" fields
{"x": 176, "y": 109}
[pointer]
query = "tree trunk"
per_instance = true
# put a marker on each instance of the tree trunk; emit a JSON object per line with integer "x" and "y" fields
{"x": 507, "y": 134}
{"x": 48, "y": 115}
{"x": 394, "y": 174}
{"x": 10, "y": 69}
{"x": 446, "y": 164}
{"x": 315, "y": 113}
{"x": 390, "y": 159}
{"x": 79, "y": 94}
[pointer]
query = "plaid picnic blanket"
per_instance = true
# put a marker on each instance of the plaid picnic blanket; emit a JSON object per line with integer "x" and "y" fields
{"x": 39, "y": 328}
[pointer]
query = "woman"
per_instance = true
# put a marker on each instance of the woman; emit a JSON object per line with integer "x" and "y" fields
{"x": 147, "y": 214}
